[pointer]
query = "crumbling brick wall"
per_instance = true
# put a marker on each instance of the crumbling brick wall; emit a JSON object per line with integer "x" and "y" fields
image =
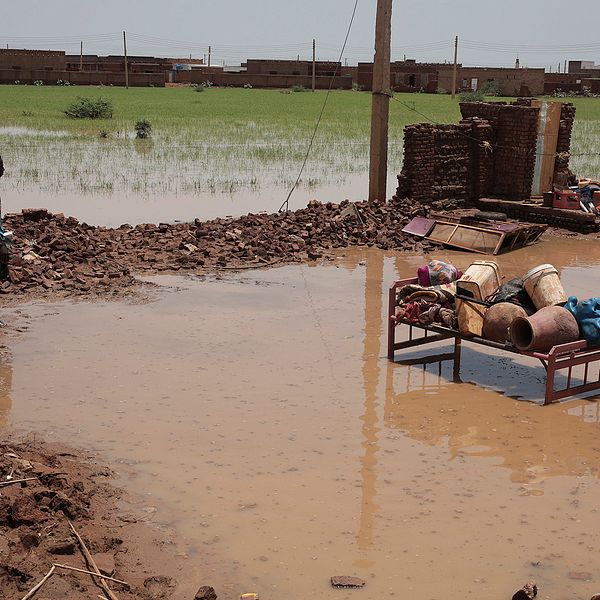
{"x": 515, "y": 127}
{"x": 436, "y": 162}
{"x": 447, "y": 161}
{"x": 492, "y": 152}
{"x": 481, "y": 164}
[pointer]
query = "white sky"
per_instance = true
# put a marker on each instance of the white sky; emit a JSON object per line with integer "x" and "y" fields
{"x": 492, "y": 33}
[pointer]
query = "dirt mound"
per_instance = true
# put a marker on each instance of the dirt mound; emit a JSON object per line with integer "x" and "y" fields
{"x": 54, "y": 254}
{"x": 43, "y": 487}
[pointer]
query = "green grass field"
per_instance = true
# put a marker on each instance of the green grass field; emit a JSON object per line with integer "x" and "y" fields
{"x": 222, "y": 140}
{"x": 180, "y": 109}
{"x": 224, "y": 109}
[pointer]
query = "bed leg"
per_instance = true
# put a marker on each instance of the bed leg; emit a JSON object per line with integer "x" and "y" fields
{"x": 550, "y": 372}
{"x": 456, "y": 366}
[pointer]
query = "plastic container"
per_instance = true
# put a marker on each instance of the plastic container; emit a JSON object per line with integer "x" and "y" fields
{"x": 480, "y": 281}
{"x": 544, "y": 287}
{"x": 548, "y": 327}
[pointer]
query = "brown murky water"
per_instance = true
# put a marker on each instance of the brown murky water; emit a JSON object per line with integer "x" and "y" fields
{"x": 258, "y": 413}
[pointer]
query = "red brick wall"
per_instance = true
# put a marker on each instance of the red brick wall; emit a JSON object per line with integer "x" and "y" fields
{"x": 32, "y": 59}
{"x": 261, "y": 81}
{"x": 512, "y": 82}
{"x": 8, "y": 76}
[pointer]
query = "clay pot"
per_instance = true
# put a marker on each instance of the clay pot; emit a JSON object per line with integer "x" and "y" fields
{"x": 546, "y": 328}
{"x": 498, "y": 319}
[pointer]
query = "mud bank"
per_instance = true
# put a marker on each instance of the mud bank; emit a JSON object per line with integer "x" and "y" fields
{"x": 58, "y": 256}
{"x": 43, "y": 487}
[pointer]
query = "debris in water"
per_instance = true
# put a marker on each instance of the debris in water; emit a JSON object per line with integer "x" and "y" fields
{"x": 346, "y": 581}
{"x": 206, "y": 593}
{"x": 527, "y": 592}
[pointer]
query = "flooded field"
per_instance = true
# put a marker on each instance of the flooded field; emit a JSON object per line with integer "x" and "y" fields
{"x": 258, "y": 414}
{"x": 120, "y": 180}
{"x": 220, "y": 153}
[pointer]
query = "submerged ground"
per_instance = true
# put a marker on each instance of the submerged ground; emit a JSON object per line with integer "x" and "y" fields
{"x": 257, "y": 412}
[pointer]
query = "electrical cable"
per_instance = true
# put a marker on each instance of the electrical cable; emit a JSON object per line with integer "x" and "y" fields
{"x": 286, "y": 203}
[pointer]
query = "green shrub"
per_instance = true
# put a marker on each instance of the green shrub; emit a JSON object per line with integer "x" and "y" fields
{"x": 491, "y": 88}
{"x": 472, "y": 96}
{"x": 90, "y": 108}
{"x": 298, "y": 88}
{"x": 143, "y": 129}
{"x": 357, "y": 87}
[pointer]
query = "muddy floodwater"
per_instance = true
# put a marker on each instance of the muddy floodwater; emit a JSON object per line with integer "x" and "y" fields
{"x": 257, "y": 413}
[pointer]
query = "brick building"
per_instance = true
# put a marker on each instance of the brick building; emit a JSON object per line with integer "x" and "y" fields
{"x": 23, "y": 60}
{"x": 410, "y": 76}
{"x": 512, "y": 82}
{"x": 292, "y": 67}
{"x": 581, "y": 76}
{"x": 116, "y": 64}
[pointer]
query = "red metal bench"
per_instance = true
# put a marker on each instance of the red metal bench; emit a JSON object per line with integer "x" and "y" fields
{"x": 559, "y": 358}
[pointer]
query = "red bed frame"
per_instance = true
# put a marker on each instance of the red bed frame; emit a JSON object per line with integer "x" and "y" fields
{"x": 561, "y": 357}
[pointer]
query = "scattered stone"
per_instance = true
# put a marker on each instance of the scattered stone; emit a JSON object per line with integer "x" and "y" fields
{"x": 62, "y": 546}
{"x": 595, "y": 597}
{"x": 527, "y": 592}
{"x": 60, "y": 255}
{"x": 159, "y": 586}
{"x": 346, "y": 581}
{"x": 30, "y": 540}
{"x": 106, "y": 563}
{"x": 206, "y": 593}
{"x": 35, "y": 214}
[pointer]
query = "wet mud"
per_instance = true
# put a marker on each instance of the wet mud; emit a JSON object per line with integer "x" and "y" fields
{"x": 257, "y": 412}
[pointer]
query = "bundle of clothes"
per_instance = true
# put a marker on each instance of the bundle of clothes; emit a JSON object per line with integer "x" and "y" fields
{"x": 432, "y": 299}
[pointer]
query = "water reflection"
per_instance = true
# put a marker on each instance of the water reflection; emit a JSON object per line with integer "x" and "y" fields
{"x": 6, "y": 374}
{"x": 534, "y": 442}
{"x": 371, "y": 375}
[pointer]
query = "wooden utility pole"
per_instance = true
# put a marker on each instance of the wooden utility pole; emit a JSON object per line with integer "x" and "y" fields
{"x": 314, "y": 66}
{"x": 81, "y": 56}
{"x": 380, "y": 104}
{"x": 209, "y": 54}
{"x": 126, "y": 66}
{"x": 455, "y": 70}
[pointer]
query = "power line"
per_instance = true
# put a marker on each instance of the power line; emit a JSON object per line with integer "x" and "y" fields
{"x": 312, "y": 139}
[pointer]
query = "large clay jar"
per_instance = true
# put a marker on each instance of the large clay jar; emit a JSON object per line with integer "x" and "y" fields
{"x": 546, "y": 328}
{"x": 498, "y": 319}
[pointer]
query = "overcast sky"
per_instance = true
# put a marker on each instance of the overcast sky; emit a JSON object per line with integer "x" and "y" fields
{"x": 492, "y": 33}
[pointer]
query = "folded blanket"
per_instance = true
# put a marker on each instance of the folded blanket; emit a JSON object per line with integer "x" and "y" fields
{"x": 443, "y": 294}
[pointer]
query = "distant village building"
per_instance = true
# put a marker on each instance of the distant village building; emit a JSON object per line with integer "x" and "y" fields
{"x": 49, "y": 66}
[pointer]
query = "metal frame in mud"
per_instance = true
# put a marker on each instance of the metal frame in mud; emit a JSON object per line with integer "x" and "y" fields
{"x": 559, "y": 358}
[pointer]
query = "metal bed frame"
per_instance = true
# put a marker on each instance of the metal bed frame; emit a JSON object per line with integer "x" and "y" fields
{"x": 560, "y": 357}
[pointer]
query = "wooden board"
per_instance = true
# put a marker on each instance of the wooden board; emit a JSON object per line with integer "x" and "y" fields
{"x": 548, "y": 129}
